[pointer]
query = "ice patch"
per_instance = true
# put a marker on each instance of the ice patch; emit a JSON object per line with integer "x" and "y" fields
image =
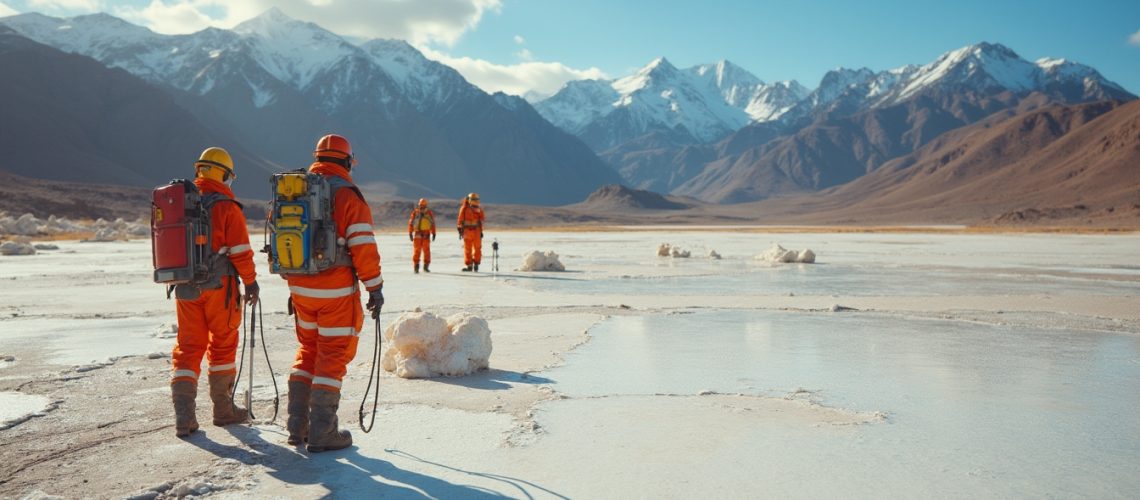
{"x": 423, "y": 345}
{"x": 778, "y": 254}
{"x": 539, "y": 261}
{"x": 17, "y": 408}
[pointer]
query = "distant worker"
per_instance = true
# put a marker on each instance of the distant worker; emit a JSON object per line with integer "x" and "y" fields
{"x": 470, "y": 225}
{"x": 327, "y": 306}
{"x": 209, "y": 314}
{"x": 421, "y": 224}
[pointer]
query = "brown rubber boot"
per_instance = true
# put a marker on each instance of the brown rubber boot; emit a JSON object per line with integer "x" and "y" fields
{"x": 226, "y": 411}
{"x": 324, "y": 434}
{"x": 417, "y": 268}
{"x": 298, "y": 409}
{"x": 426, "y": 264}
{"x": 183, "y": 393}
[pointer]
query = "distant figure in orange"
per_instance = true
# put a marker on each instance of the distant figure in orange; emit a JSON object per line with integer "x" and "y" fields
{"x": 421, "y": 224}
{"x": 470, "y": 225}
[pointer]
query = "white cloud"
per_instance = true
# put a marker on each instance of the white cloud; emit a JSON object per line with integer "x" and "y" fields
{"x": 7, "y": 11}
{"x": 179, "y": 17}
{"x": 525, "y": 55}
{"x": 520, "y": 40}
{"x": 440, "y": 22}
{"x": 61, "y": 6}
{"x": 1135, "y": 38}
{"x": 517, "y": 79}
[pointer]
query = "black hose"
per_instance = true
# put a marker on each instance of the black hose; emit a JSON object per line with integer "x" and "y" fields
{"x": 241, "y": 365}
{"x": 265, "y": 350}
{"x": 374, "y": 372}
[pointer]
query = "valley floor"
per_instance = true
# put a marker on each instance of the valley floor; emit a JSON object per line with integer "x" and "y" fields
{"x": 903, "y": 364}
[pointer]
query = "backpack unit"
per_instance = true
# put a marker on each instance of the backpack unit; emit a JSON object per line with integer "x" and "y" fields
{"x": 180, "y": 237}
{"x": 301, "y": 230}
{"x": 423, "y": 220}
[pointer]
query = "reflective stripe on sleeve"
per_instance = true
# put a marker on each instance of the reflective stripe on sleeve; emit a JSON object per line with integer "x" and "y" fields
{"x": 301, "y": 373}
{"x": 184, "y": 373}
{"x": 358, "y": 228}
{"x": 331, "y": 382}
{"x": 240, "y": 248}
{"x": 360, "y": 240}
{"x": 219, "y": 368}
{"x": 377, "y": 281}
{"x": 308, "y": 325}
{"x": 321, "y": 293}
{"x": 337, "y": 331}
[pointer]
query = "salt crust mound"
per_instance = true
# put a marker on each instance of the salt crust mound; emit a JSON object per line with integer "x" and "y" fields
{"x": 29, "y": 225}
{"x": 17, "y": 248}
{"x": 778, "y": 254}
{"x": 422, "y": 345}
{"x": 667, "y": 250}
{"x": 540, "y": 261}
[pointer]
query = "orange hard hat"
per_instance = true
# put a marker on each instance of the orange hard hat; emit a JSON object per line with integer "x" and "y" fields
{"x": 334, "y": 146}
{"x": 423, "y": 202}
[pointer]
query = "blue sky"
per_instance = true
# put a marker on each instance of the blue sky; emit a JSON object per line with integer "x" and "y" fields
{"x": 517, "y": 45}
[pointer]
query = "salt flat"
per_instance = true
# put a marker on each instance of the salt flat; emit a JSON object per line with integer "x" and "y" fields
{"x": 942, "y": 365}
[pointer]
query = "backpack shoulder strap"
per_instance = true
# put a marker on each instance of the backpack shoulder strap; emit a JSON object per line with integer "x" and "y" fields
{"x": 209, "y": 199}
{"x": 338, "y": 183}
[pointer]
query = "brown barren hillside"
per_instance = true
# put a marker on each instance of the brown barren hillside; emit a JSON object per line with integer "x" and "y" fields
{"x": 1060, "y": 164}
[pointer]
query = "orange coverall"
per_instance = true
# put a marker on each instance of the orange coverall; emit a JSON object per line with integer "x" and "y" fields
{"x": 421, "y": 241}
{"x": 470, "y": 220}
{"x": 327, "y": 305}
{"x": 208, "y": 324}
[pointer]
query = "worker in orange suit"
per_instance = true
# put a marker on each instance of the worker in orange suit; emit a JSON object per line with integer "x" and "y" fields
{"x": 209, "y": 314}
{"x": 470, "y": 225}
{"x": 421, "y": 225}
{"x": 327, "y": 306}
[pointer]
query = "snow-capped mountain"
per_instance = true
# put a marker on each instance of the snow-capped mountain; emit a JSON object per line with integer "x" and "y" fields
{"x": 703, "y": 103}
{"x": 983, "y": 69}
{"x": 857, "y": 120}
{"x": 275, "y": 84}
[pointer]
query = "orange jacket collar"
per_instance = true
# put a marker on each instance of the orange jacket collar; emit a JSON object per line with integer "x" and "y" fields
{"x": 212, "y": 186}
{"x": 325, "y": 168}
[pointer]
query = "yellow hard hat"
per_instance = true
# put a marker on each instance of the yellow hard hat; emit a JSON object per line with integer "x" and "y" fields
{"x": 473, "y": 198}
{"x": 423, "y": 202}
{"x": 212, "y": 159}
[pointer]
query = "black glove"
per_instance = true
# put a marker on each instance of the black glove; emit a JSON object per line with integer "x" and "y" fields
{"x": 460, "y": 231}
{"x": 252, "y": 292}
{"x": 480, "y": 234}
{"x": 376, "y": 301}
{"x": 433, "y": 236}
{"x": 410, "y": 237}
